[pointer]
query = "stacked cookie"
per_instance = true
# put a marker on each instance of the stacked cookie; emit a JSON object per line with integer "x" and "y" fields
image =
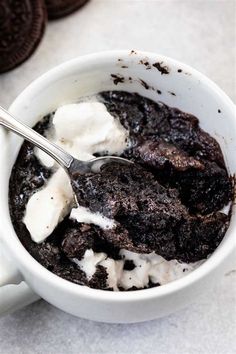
{"x": 22, "y": 25}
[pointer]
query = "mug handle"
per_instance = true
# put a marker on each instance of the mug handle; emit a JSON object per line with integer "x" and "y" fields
{"x": 14, "y": 292}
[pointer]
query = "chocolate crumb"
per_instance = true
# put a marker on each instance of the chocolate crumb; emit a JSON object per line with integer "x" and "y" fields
{"x": 117, "y": 78}
{"x": 145, "y": 63}
{"x": 99, "y": 278}
{"x": 144, "y": 84}
{"x": 162, "y": 68}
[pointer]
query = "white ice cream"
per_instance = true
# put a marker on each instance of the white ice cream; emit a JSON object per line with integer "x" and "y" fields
{"x": 84, "y": 129}
{"x": 47, "y": 207}
{"x": 89, "y": 262}
{"x": 148, "y": 267}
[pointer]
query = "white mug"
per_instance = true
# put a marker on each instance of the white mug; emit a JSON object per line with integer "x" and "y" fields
{"x": 177, "y": 85}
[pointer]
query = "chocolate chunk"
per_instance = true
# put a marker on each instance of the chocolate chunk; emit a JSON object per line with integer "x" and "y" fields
{"x": 77, "y": 240}
{"x": 99, "y": 278}
{"x": 206, "y": 234}
{"x": 184, "y": 131}
{"x": 204, "y": 187}
{"x": 120, "y": 238}
{"x": 204, "y": 191}
{"x": 60, "y": 8}
{"x": 71, "y": 272}
{"x": 152, "y": 121}
{"x": 22, "y": 24}
{"x": 160, "y": 154}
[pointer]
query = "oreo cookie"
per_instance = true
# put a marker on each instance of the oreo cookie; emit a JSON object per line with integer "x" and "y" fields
{"x": 61, "y": 8}
{"x": 22, "y": 24}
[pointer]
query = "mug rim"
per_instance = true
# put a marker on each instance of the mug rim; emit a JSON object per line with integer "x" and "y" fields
{"x": 23, "y": 256}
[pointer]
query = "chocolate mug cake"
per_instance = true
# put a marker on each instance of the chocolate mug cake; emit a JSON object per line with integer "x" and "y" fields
{"x": 133, "y": 226}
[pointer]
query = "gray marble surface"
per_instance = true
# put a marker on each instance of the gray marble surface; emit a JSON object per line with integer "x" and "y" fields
{"x": 202, "y": 34}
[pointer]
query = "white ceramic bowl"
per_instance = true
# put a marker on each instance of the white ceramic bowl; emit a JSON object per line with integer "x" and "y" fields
{"x": 182, "y": 87}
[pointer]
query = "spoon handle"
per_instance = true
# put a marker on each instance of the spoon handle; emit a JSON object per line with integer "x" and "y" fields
{"x": 56, "y": 152}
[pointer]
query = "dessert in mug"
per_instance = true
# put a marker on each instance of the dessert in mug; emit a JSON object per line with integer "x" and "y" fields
{"x": 132, "y": 226}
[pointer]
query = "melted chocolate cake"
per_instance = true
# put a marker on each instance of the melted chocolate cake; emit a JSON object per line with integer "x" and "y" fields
{"x": 167, "y": 203}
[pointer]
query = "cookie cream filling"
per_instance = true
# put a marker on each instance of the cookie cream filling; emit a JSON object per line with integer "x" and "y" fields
{"x": 84, "y": 129}
{"x": 84, "y": 215}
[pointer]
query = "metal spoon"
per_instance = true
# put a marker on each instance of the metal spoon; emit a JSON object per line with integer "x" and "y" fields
{"x": 71, "y": 165}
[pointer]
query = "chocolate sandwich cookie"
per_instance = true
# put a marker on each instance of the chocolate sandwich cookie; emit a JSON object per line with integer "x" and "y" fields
{"x": 61, "y": 8}
{"x": 22, "y": 24}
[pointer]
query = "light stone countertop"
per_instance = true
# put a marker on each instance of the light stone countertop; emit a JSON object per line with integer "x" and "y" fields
{"x": 201, "y": 33}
